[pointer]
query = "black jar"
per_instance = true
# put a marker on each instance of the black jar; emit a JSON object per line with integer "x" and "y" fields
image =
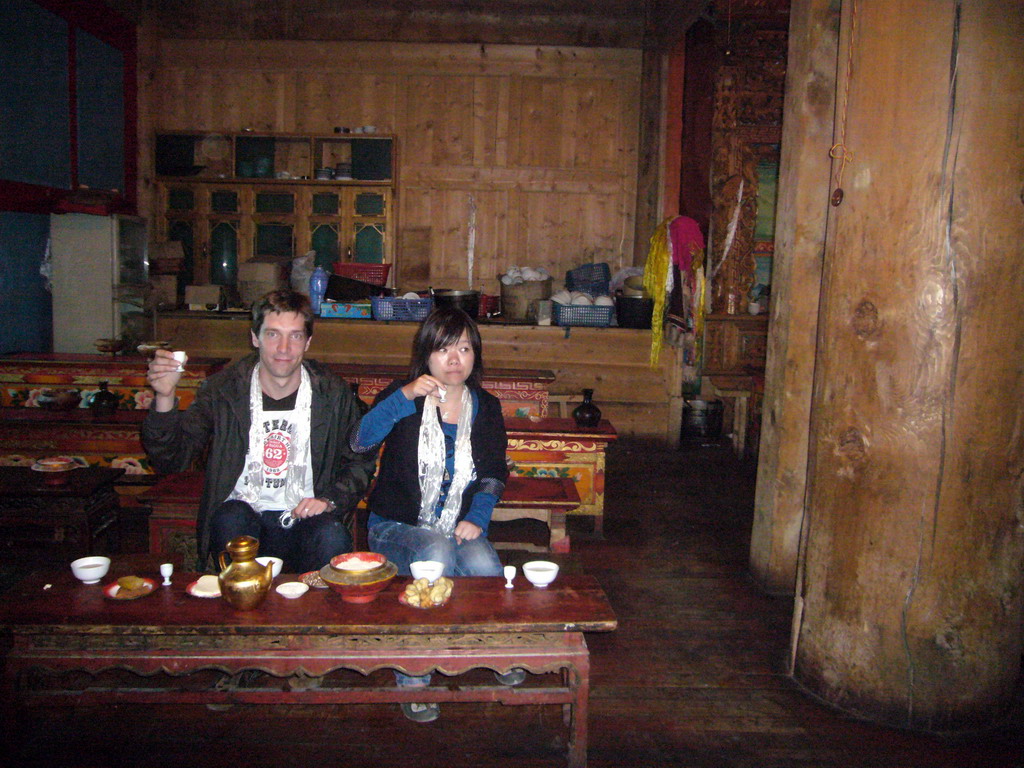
{"x": 103, "y": 402}
{"x": 586, "y": 413}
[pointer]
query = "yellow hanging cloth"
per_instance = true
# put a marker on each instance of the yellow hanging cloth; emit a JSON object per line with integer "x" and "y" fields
{"x": 656, "y": 275}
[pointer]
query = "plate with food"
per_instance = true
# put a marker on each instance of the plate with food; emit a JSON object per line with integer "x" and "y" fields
{"x": 129, "y": 588}
{"x": 55, "y": 464}
{"x": 149, "y": 347}
{"x": 204, "y": 586}
{"x": 313, "y": 579}
{"x": 424, "y": 594}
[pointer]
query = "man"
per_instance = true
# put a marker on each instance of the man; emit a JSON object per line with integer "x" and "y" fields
{"x": 279, "y": 466}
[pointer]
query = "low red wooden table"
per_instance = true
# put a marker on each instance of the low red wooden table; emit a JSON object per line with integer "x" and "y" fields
{"x": 59, "y": 625}
{"x": 66, "y": 517}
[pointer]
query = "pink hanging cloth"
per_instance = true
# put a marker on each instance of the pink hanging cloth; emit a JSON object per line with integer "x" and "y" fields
{"x": 686, "y": 238}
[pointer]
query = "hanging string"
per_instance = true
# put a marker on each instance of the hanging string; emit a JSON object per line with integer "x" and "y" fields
{"x": 728, "y": 31}
{"x": 840, "y": 151}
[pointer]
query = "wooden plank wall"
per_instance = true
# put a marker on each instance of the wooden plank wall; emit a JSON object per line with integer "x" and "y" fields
{"x": 544, "y": 138}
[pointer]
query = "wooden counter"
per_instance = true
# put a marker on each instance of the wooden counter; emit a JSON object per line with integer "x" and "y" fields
{"x": 614, "y": 362}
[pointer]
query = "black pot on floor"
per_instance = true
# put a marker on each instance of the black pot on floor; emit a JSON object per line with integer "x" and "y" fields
{"x": 702, "y": 423}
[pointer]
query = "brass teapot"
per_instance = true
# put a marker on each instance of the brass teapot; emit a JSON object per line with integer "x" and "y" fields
{"x": 244, "y": 583}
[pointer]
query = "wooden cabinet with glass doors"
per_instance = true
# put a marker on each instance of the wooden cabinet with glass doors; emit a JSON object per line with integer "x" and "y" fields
{"x": 231, "y": 199}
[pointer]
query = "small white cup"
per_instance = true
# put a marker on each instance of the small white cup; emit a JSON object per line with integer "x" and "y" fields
{"x": 540, "y": 573}
{"x": 181, "y": 357}
{"x": 89, "y": 570}
{"x": 431, "y": 570}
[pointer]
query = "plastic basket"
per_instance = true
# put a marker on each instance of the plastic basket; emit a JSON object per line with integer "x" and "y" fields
{"x": 581, "y": 314}
{"x": 590, "y": 278}
{"x": 368, "y": 273}
{"x": 389, "y": 308}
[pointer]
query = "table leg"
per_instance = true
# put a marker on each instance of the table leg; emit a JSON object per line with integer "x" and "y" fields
{"x": 578, "y": 724}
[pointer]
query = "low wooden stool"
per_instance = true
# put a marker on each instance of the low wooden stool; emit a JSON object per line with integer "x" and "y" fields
{"x": 174, "y": 500}
{"x": 539, "y": 498}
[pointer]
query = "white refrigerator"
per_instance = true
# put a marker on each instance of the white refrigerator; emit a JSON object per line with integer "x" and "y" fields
{"x": 100, "y": 269}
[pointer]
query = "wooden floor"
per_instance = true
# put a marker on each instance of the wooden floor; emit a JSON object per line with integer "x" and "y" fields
{"x": 693, "y": 677}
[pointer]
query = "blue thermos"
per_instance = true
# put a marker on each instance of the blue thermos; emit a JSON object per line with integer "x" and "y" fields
{"x": 317, "y": 288}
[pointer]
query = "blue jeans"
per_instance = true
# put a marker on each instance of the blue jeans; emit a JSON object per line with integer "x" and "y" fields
{"x": 307, "y": 546}
{"x": 402, "y": 544}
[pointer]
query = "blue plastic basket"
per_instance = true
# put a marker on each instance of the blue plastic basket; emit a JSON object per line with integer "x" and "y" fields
{"x": 390, "y": 308}
{"x": 590, "y": 278}
{"x": 581, "y": 314}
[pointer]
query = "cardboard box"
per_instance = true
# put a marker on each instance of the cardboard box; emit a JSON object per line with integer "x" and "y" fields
{"x": 340, "y": 309}
{"x": 256, "y": 278}
{"x": 203, "y": 297}
{"x": 165, "y": 291}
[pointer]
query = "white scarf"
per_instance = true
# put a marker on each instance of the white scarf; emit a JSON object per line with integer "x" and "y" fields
{"x": 300, "y": 473}
{"x": 431, "y": 457}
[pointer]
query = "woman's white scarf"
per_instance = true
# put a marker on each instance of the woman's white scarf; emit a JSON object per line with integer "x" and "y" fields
{"x": 432, "y": 463}
{"x": 300, "y": 474}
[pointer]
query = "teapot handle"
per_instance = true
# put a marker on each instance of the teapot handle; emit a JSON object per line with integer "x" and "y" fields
{"x": 220, "y": 559}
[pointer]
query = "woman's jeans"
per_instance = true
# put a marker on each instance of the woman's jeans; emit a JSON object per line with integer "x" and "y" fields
{"x": 307, "y": 546}
{"x": 403, "y": 544}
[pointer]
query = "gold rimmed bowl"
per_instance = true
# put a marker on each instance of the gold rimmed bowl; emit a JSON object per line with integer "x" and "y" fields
{"x": 359, "y": 586}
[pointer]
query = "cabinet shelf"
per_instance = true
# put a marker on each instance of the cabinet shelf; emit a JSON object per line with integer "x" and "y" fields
{"x": 281, "y": 158}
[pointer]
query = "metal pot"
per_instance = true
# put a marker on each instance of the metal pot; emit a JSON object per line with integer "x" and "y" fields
{"x": 467, "y": 301}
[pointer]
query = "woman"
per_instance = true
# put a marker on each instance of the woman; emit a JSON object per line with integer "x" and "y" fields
{"x": 443, "y": 466}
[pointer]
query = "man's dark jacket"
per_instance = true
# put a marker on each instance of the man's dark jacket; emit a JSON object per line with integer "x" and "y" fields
{"x": 219, "y": 417}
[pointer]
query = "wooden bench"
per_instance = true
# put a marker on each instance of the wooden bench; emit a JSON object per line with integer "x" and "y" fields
{"x": 174, "y": 500}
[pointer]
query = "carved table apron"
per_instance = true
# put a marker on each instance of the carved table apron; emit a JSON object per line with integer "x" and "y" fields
{"x": 72, "y": 627}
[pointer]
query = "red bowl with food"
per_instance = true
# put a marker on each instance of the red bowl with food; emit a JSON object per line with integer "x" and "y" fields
{"x": 362, "y": 587}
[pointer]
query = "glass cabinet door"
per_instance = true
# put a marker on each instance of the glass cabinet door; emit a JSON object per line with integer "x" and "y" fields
{"x": 183, "y": 231}
{"x": 324, "y": 240}
{"x": 274, "y": 239}
{"x": 224, "y": 253}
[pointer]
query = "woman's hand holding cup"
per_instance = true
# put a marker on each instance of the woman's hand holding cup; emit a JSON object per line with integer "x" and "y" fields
{"x": 423, "y": 386}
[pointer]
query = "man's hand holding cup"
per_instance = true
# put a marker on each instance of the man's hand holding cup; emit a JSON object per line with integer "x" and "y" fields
{"x": 165, "y": 369}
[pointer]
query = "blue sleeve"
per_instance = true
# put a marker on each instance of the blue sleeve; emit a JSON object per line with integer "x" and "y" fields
{"x": 376, "y": 425}
{"x": 480, "y": 509}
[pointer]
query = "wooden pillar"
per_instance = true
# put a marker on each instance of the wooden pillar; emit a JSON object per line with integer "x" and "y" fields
{"x": 910, "y": 593}
{"x": 796, "y": 283}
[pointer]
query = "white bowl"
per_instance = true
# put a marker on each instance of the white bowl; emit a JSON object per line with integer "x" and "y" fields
{"x": 431, "y": 570}
{"x": 292, "y": 589}
{"x": 540, "y": 573}
{"x": 277, "y": 561}
{"x": 90, "y": 569}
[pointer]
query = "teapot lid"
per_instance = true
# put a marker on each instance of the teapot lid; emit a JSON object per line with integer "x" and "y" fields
{"x": 242, "y": 547}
